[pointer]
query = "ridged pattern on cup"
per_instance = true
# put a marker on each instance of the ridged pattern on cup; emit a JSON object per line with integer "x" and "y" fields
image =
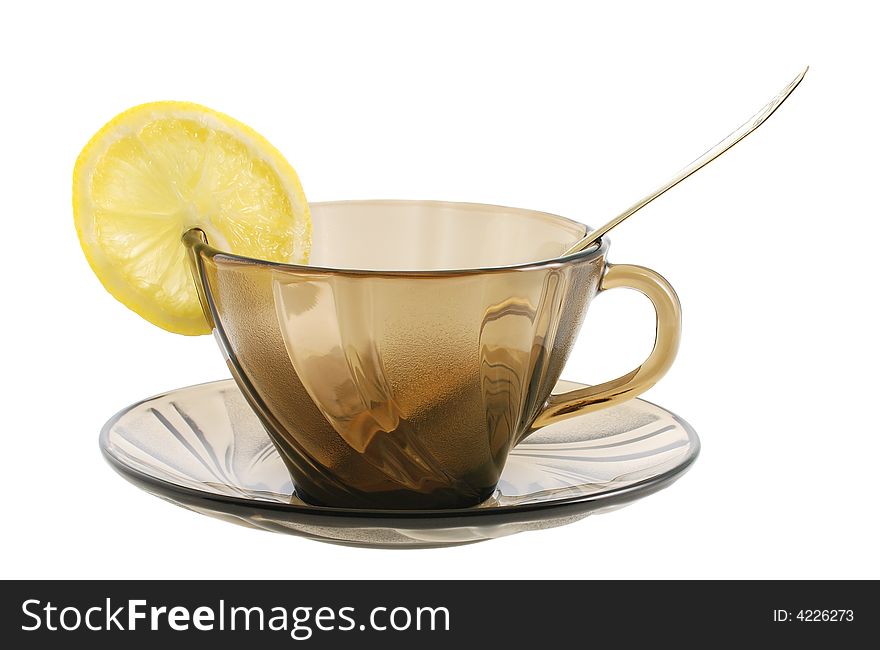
{"x": 391, "y": 390}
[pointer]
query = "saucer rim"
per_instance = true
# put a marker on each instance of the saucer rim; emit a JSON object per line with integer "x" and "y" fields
{"x": 355, "y": 516}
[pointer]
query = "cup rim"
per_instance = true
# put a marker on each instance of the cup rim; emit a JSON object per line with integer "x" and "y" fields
{"x": 196, "y": 239}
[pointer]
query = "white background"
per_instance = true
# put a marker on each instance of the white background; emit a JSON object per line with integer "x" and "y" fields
{"x": 553, "y": 106}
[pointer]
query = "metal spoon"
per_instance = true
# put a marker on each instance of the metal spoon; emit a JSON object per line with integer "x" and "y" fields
{"x": 750, "y": 125}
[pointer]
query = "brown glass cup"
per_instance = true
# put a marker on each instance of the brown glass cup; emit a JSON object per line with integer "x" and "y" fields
{"x": 420, "y": 344}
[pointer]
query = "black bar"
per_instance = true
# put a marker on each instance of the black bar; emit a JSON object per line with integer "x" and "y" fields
{"x": 518, "y": 613}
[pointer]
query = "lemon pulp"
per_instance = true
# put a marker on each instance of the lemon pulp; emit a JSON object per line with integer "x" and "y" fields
{"x": 159, "y": 169}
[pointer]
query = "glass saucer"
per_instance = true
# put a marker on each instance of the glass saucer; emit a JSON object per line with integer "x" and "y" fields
{"x": 203, "y": 448}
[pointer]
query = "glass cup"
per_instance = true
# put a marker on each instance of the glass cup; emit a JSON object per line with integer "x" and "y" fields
{"x": 420, "y": 344}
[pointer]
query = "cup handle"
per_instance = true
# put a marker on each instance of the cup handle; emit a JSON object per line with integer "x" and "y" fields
{"x": 668, "y": 311}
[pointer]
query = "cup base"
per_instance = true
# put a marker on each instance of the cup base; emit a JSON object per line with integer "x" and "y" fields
{"x": 444, "y": 499}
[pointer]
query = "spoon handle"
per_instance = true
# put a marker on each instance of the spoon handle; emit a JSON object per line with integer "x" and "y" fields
{"x": 747, "y": 127}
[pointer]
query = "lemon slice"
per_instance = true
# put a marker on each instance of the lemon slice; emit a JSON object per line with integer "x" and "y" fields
{"x": 157, "y": 170}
